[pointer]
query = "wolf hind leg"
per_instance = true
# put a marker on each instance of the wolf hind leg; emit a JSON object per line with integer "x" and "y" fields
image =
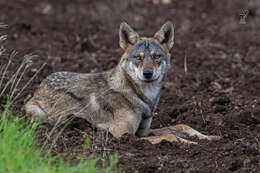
{"x": 34, "y": 110}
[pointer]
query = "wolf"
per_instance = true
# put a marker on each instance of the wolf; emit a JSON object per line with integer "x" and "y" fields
{"x": 121, "y": 100}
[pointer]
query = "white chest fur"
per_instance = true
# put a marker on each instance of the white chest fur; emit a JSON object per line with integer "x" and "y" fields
{"x": 151, "y": 90}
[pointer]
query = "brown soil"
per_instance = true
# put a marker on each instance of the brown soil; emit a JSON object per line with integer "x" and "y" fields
{"x": 218, "y": 95}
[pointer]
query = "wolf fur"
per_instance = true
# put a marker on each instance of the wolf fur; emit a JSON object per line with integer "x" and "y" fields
{"x": 121, "y": 100}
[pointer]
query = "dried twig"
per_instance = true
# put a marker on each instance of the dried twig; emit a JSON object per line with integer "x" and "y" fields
{"x": 3, "y": 25}
{"x": 185, "y": 62}
{"x": 3, "y": 38}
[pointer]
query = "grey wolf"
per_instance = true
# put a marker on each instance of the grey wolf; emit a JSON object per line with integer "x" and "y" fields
{"x": 121, "y": 100}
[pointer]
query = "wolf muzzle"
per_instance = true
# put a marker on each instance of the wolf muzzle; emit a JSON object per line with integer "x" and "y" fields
{"x": 148, "y": 74}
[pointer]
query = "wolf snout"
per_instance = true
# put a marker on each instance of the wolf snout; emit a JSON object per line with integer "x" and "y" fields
{"x": 148, "y": 74}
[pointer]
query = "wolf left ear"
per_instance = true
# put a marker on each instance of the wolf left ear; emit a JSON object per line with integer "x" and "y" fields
{"x": 127, "y": 36}
{"x": 166, "y": 35}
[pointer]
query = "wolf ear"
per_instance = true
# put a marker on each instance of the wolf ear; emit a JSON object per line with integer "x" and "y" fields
{"x": 127, "y": 36}
{"x": 166, "y": 35}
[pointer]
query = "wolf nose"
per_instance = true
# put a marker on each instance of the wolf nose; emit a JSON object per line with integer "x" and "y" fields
{"x": 148, "y": 74}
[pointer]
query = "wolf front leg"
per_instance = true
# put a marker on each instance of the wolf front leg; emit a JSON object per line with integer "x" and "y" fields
{"x": 160, "y": 134}
{"x": 183, "y": 131}
{"x": 177, "y": 133}
{"x": 168, "y": 137}
{"x": 144, "y": 127}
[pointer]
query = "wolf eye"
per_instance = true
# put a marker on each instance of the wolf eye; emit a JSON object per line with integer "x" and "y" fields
{"x": 138, "y": 57}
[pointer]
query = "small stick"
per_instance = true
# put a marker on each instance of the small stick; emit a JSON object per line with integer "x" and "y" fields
{"x": 185, "y": 62}
{"x": 3, "y": 25}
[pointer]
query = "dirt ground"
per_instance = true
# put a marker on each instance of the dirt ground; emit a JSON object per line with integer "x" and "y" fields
{"x": 217, "y": 95}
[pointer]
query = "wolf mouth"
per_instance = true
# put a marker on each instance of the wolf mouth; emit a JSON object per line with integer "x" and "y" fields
{"x": 149, "y": 80}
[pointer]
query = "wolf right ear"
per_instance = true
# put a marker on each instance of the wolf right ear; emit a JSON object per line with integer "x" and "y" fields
{"x": 166, "y": 35}
{"x": 127, "y": 36}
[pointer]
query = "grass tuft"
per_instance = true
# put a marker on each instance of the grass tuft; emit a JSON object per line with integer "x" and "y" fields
{"x": 19, "y": 153}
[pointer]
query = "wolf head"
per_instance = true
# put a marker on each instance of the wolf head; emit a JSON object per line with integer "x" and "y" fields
{"x": 146, "y": 59}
